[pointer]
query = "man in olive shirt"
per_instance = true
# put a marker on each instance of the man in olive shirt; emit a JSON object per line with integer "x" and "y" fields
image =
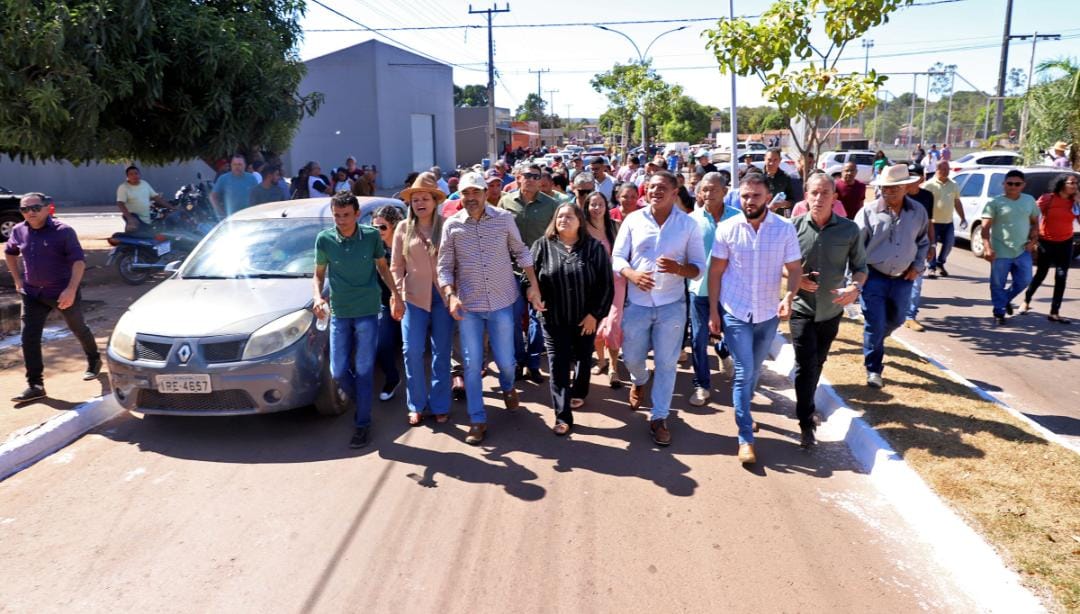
{"x": 893, "y": 230}
{"x": 1010, "y": 232}
{"x": 778, "y": 182}
{"x": 946, "y": 200}
{"x": 532, "y": 211}
{"x": 830, "y": 245}
{"x": 353, "y": 253}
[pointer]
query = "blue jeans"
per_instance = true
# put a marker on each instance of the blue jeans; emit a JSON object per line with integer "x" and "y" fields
{"x": 1000, "y": 269}
{"x": 388, "y": 346}
{"x": 945, "y": 234}
{"x": 418, "y": 326}
{"x": 916, "y": 296}
{"x": 749, "y": 343}
{"x": 527, "y": 345}
{"x": 501, "y": 328}
{"x": 885, "y": 303}
{"x": 659, "y": 328}
{"x": 354, "y": 339}
{"x": 699, "y": 341}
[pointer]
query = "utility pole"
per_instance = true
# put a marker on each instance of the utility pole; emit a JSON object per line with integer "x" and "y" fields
{"x": 1003, "y": 67}
{"x": 948, "y": 117}
{"x": 1031, "y": 70}
{"x": 925, "y": 106}
{"x": 734, "y": 121}
{"x": 551, "y": 105}
{"x": 867, "y": 45}
{"x": 493, "y": 146}
{"x": 539, "y": 96}
{"x": 911, "y": 117}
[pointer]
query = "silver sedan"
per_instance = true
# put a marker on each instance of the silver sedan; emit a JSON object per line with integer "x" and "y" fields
{"x": 232, "y": 331}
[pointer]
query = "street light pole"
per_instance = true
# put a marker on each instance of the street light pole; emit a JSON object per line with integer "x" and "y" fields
{"x": 641, "y": 60}
{"x": 867, "y": 45}
{"x": 734, "y": 120}
{"x": 1031, "y": 70}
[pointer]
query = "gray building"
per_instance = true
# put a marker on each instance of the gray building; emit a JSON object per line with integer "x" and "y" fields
{"x": 384, "y": 106}
{"x": 472, "y": 132}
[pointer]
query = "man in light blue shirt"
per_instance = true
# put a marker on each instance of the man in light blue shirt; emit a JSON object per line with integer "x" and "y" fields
{"x": 232, "y": 191}
{"x": 712, "y": 189}
{"x": 657, "y": 247}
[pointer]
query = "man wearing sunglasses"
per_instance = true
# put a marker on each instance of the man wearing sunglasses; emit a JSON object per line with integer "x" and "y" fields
{"x": 532, "y": 211}
{"x": 604, "y": 182}
{"x": 1010, "y": 233}
{"x": 52, "y": 268}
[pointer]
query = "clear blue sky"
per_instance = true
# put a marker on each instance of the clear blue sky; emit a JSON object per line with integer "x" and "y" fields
{"x": 962, "y": 32}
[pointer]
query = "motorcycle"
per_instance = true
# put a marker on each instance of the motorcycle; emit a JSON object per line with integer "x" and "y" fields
{"x": 173, "y": 232}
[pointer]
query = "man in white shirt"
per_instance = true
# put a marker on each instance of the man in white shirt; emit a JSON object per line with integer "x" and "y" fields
{"x": 133, "y": 198}
{"x": 656, "y": 248}
{"x": 750, "y": 254}
{"x": 604, "y": 183}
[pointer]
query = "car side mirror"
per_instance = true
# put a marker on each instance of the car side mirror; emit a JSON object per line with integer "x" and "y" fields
{"x": 173, "y": 266}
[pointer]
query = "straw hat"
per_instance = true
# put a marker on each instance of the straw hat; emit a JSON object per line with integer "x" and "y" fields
{"x": 425, "y": 182}
{"x": 897, "y": 174}
{"x": 1061, "y": 146}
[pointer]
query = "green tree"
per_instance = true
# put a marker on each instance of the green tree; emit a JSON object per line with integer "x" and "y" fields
{"x": 942, "y": 82}
{"x": 1054, "y": 111}
{"x": 153, "y": 80}
{"x": 685, "y": 120}
{"x": 635, "y": 90}
{"x": 470, "y": 96}
{"x": 531, "y": 109}
{"x": 815, "y": 92}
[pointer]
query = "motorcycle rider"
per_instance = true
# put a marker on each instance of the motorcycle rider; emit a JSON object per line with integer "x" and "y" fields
{"x": 133, "y": 198}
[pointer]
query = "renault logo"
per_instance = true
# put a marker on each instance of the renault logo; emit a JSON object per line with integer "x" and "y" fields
{"x": 184, "y": 353}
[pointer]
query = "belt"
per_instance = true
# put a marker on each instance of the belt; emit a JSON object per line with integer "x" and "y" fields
{"x": 880, "y": 272}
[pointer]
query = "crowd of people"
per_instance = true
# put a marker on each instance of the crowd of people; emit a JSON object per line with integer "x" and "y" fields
{"x": 594, "y": 264}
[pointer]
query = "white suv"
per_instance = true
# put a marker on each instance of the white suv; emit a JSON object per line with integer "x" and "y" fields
{"x": 832, "y": 162}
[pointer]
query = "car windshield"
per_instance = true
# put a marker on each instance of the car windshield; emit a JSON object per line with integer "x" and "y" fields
{"x": 267, "y": 248}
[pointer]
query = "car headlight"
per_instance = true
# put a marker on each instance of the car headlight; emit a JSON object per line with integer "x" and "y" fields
{"x": 123, "y": 338}
{"x": 278, "y": 335}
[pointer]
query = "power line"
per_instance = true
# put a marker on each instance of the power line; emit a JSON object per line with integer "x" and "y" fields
{"x": 569, "y": 24}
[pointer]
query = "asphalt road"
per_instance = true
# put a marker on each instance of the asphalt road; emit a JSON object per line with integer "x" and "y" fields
{"x": 1030, "y": 363}
{"x": 275, "y": 513}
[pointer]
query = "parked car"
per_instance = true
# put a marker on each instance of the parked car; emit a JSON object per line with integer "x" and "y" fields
{"x": 1001, "y": 157}
{"x": 9, "y": 211}
{"x": 832, "y": 162}
{"x": 979, "y": 185}
{"x": 232, "y": 331}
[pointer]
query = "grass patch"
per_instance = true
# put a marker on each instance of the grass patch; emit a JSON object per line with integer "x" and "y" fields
{"x": 1019, "y": 491}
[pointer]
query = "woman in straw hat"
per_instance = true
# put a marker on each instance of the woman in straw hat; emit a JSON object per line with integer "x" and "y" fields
{"x": 424, "y": 315}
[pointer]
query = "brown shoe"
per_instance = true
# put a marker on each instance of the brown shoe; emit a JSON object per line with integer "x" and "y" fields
{"x": 510, "y": 397}
{"x": 746, "y": 454}
{"x": 476, "y": 434}
{"x": 561, "y": 429}
{"x": 661, "y": 436}
{"x": 637, "y": 395}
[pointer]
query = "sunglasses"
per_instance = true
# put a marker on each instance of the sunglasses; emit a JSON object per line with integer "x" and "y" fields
{"x": 1014, "y": 183}
{"x": 29, "y": 208}
{"x": 530, "y": 175}
{"x": 382, "y": 226}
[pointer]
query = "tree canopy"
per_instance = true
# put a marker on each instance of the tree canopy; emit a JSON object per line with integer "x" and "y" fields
{"x": 1054, "y": 113}
{"x": 815, "y": 92}
{"x": 470, "y": 96}
{"x": 153, "y": 80}
{"x": 634, "y": 90}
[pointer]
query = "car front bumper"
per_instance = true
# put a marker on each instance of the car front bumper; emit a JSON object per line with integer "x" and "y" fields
{"x": 284, "y": 380}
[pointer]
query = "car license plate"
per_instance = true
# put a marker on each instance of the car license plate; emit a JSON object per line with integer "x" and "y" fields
{"x": 183, "y": 384}
{"x": 163, "y": 248}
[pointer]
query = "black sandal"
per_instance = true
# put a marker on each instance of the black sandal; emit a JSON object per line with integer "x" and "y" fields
{"x": 1058, "y": 319}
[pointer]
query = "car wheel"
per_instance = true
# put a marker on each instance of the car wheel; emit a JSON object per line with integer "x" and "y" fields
{"x": 331, "y": 401}
{"x": 977, "y": 247}
{"x": 7, "y": 223}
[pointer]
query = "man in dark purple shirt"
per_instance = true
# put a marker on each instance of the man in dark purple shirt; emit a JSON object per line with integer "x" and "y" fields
{"x": 850, "y": 191}
{"x": 53, "y": 266}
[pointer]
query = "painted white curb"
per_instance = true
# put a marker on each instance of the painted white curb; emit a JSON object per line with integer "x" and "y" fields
{"x": 975, "y": 566}
{"x": 27, "y": 446}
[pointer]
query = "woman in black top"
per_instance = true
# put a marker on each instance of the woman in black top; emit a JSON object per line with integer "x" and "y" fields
{"x": 576, "y": 284}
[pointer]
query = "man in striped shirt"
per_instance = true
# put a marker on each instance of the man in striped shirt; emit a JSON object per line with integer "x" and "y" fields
{"x": 479, "y": 247}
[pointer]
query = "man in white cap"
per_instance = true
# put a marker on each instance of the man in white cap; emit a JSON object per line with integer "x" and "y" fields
{"x": 893, "y": 229}
{"x": 479, "y": 247}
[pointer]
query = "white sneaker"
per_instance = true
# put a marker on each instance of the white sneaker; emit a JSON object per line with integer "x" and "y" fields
{"x": 700, "y": 397}
{"x": 874, "y": 380}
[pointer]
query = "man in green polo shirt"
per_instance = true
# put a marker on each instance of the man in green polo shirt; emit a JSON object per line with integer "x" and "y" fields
{"x": 1010, "y": 232}
{"x": 946, "y": 200}
{"x": 532, "y": 211}
{"x": 354, "y": 254}
{"x": 830, "y": 245}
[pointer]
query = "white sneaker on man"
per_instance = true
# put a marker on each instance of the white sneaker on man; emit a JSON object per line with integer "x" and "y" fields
{"x": 700, "y": 397}
{"x": 874, "y": 380}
